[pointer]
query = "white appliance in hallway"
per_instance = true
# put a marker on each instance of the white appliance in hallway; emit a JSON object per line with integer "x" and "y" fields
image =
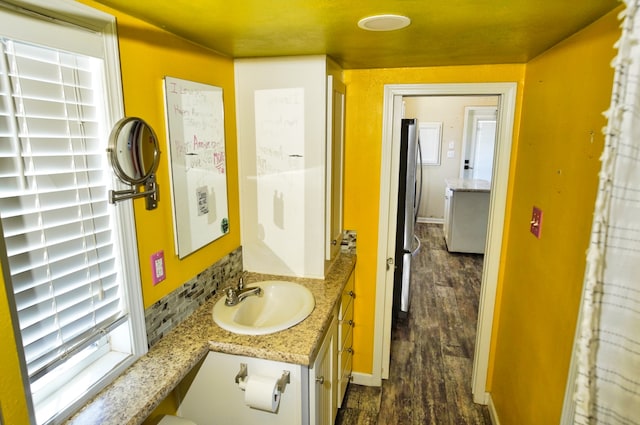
{"x": 466, "y": 213}
{"x": 409, "y": 187}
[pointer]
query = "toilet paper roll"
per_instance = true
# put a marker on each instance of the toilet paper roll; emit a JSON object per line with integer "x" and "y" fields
{"x": 261, "y": 393}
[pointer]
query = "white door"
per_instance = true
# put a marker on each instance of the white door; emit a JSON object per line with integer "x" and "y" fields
{"x": 479, "y": 140}
{"x": 387, "y": 246}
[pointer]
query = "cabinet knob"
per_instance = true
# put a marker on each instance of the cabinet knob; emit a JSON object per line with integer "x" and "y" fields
{"x": 334, "y": 242}
{"x": 350, "y": 350}
{"x": 352, "y": 294}
{"x": 350, "y": 322}
{"x": 320, "y": 380}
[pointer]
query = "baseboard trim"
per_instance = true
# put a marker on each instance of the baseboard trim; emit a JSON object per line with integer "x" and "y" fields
{"x": 366, "y": 379}
{"x": 493, "y": 414}
{"x": 481, "y": 398}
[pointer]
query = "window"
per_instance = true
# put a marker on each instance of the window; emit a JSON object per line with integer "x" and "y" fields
{"x": 64, "y": 254}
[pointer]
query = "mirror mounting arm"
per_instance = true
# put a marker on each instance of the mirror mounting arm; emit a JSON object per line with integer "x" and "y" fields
{"x": 150, "y": 192}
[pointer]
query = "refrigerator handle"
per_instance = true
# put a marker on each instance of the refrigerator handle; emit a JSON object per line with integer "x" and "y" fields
{"x": 415, "y": 251}
{"x": 419, "y": 184}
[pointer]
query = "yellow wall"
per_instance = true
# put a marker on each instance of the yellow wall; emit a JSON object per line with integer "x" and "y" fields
{"x": 13, "y": 405}
{"x": 566, "y": 90}
{"x": 147, "y": 55}
{"x": 362, "y": 169}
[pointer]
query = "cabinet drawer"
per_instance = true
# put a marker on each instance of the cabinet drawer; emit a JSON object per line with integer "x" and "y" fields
{"x": 345, "y": 325}
{"x": 345, "y": 371}
{"x": 345, "y": 351}
{"x": 347, "y": 296}
{"x": 343, "y": 381}
{"x": 344, "y": 377}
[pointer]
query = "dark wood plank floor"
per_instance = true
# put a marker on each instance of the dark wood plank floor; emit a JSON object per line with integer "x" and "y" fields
{"x": 431, "y": 350}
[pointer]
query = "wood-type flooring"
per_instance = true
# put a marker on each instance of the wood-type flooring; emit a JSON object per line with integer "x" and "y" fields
{"x": 432, "y": 350}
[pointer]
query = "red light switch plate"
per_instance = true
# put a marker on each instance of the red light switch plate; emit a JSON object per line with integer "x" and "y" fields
{"x": 536, "y": 222}
{"x": 157, "y": 267}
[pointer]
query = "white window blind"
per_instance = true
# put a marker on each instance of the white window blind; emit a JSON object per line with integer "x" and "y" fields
{"x": 54, "y": 202}
{"x": 66, "y": 254}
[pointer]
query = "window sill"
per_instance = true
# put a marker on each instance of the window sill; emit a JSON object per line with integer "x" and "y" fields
{"x": 135, "y": 393}
{"x": 77, "y": 387}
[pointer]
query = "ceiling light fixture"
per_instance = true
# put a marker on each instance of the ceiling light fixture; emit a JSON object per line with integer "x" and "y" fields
{"x": 384, "y": 22}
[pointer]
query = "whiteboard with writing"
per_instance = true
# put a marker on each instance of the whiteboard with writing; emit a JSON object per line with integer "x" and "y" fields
{"x": 195, "y": 135}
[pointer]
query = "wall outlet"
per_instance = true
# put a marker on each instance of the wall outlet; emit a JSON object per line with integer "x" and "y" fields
{"x": 157, "y": 267}
{"x": 536, "y": 222}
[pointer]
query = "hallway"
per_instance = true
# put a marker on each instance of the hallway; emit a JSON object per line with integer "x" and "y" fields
{"x": 432, "y": 350}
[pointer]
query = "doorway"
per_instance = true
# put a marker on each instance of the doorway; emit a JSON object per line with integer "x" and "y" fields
{"x": 393, "y": 97}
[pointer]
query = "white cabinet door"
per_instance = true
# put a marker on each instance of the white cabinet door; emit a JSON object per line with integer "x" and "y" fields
{"x": 335, "y": 165}
{"x": 323, "y": 381}
{"x": 212, "y": 397}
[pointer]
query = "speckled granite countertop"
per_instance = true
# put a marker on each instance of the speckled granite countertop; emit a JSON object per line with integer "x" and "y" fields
{"x": 468, "y": 185}
{"x": 136, "y": 393}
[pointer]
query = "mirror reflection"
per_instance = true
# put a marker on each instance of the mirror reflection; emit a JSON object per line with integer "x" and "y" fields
{"x": 134, "y": 155}
{"x": 134, "y": 151}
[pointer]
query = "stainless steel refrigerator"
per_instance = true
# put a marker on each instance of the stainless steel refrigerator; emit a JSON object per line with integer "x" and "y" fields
{"x": 409, "y": 190}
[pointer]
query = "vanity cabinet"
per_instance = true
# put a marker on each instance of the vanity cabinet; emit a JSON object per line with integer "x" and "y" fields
{"x": 290, "y": 121}
{"x": 210, "y": 395}
{"x": 345, "y": 338}
{"x": 331, "y": 372}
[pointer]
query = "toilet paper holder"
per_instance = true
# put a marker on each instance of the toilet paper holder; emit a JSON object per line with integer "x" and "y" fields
{"x": 281, "y": 383}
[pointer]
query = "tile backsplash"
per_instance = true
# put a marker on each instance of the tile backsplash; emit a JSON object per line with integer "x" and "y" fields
{"x": 173, "y": 308}
{"x": 349, "y": 239}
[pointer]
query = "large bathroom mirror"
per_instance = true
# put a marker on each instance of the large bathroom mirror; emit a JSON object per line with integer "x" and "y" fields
{"x": 134, "y": 154}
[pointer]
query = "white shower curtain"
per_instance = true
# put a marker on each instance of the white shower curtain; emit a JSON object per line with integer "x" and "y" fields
{"x": 608, "y": 380}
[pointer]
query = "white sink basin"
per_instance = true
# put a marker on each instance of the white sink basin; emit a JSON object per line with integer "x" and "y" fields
{"x": 280, "y": 306}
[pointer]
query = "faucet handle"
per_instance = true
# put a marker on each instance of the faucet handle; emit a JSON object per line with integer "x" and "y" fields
{"x": 241, "y": 281}
{"x": 232, "y": 296}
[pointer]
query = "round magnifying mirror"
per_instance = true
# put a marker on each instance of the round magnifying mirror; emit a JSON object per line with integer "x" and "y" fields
{"x": 133, "y": 150}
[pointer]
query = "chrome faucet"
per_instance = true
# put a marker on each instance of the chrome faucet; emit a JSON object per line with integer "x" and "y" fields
{"x": 236, "y": 295}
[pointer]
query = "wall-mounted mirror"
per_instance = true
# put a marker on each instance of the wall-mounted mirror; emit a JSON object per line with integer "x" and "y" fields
{"x": 134, "y": 154}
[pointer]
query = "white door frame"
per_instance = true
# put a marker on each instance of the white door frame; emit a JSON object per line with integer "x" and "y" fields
{"x": 393, "y": 94}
